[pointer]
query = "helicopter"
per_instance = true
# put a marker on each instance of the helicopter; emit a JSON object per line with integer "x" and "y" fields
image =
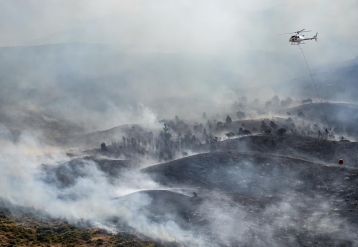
{"x": 297, "y": 39}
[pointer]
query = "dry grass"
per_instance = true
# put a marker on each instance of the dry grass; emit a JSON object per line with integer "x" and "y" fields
{"x": 27, "y": 230}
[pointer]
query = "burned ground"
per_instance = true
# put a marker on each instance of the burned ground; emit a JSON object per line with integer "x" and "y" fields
{"x": 259, "y": 185}
{"x": 65, "y": 174}
{"x": 309, "y": 148}
{"x": 290, "y": 185}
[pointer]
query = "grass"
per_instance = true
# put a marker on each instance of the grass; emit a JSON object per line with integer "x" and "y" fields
{"x": 24, "y": 229}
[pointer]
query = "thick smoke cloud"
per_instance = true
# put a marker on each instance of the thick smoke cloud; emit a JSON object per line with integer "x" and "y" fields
{"x": 159, "y": 59}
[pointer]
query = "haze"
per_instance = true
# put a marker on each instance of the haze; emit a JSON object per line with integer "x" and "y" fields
{"x": 160, "y": 53}
{"x": 178, "y": 123}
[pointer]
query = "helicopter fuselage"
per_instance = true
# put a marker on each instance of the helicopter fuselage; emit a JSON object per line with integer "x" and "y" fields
{"x": 300, "y": 38}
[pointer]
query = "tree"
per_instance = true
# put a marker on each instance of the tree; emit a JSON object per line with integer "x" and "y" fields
{"x": 275, "y": 101}
{"x": 240, "y": 114}
{"x": 204, "y": 115}
{"x": 306, "y": 101}
{"x": 247, "y": 132}
{"x": 264, "y": 127}
{"x": 286, "y": 102}
{"x": 228, "y": 120}
{"x": 219, "y": 125}
{"x": 300, "y": 114}
{"x": 281, "y": 131}
{"x": 103, "y": 147}
{"x": 205, "y": 134}
{"x": 166, "y": 136}
{"x": 244, "y": 100}
{"x": 273, "y": 125}
{"x": 230, "y": 134}
{"x": 268, "y": 104}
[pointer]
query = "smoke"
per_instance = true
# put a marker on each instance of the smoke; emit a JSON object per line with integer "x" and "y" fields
{"x": 90, "y": 197}
{"x": 265, "y": 212}
{"x": 69, "y": 68}
{"x": 158, "y": 59}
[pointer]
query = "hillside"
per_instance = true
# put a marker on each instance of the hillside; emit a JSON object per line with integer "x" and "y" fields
{"x": 259, "y": 184}
{"x": 308, "y": 148}
{"x": 341, "y": 116}
{"x": 22, "y": 226}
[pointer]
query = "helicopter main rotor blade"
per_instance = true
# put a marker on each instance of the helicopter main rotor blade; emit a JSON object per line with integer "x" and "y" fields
{"x": 297, "y": 32}
{"x": 285, "y": 33}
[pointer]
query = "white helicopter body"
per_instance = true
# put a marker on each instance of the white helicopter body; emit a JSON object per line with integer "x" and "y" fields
{"x": 298, "y": 39}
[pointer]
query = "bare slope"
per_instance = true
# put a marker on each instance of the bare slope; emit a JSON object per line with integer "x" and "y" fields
{"x": 309, "y": 148}
{"x": 253, "y": 174}
{"x": 292, "y": 199}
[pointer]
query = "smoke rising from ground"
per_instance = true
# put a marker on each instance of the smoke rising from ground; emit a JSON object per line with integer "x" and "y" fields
{"x": 95, "y": 198}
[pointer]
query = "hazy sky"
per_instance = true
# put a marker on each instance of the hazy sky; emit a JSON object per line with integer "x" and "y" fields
{"x": 208, "y": 26}
{"x": 236, "y": 42}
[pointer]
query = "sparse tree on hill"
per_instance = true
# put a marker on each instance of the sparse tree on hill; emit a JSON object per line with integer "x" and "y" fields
{"x": 230, "y": 134}
{"x": 273, "y": 125}
{"x": 166, "y": 136}
{"x": 300, "y": 114}
{"x": 268, "y": 104}
{"x": 247, "y": 132}
{"x": 281, "y": 131}
{"x": 228, "y": 120}
{"x": 275, "y": 101}
{"x": 244, "y": 100}
{"x": 219, "y": 125}
{"x": 124, "y": 142}
{"x": 264, "y": 127}
{"x": 286, "y": 102}
{"x": 306, "y": 101}
{"x": 205, "y": 134}
{"x": 204, "y": 115}
{"x": 103, "y": 147}
{"x": 240, "y": 114}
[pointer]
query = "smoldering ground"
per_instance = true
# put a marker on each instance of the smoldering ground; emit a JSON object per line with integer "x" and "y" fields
{"x": 239, "y": 200}
{"x": 286, "y": 194}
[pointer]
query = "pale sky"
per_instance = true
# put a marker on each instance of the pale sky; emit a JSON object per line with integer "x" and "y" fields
{"x": 208, "y": 26}
{"x": 245, "y": 52}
